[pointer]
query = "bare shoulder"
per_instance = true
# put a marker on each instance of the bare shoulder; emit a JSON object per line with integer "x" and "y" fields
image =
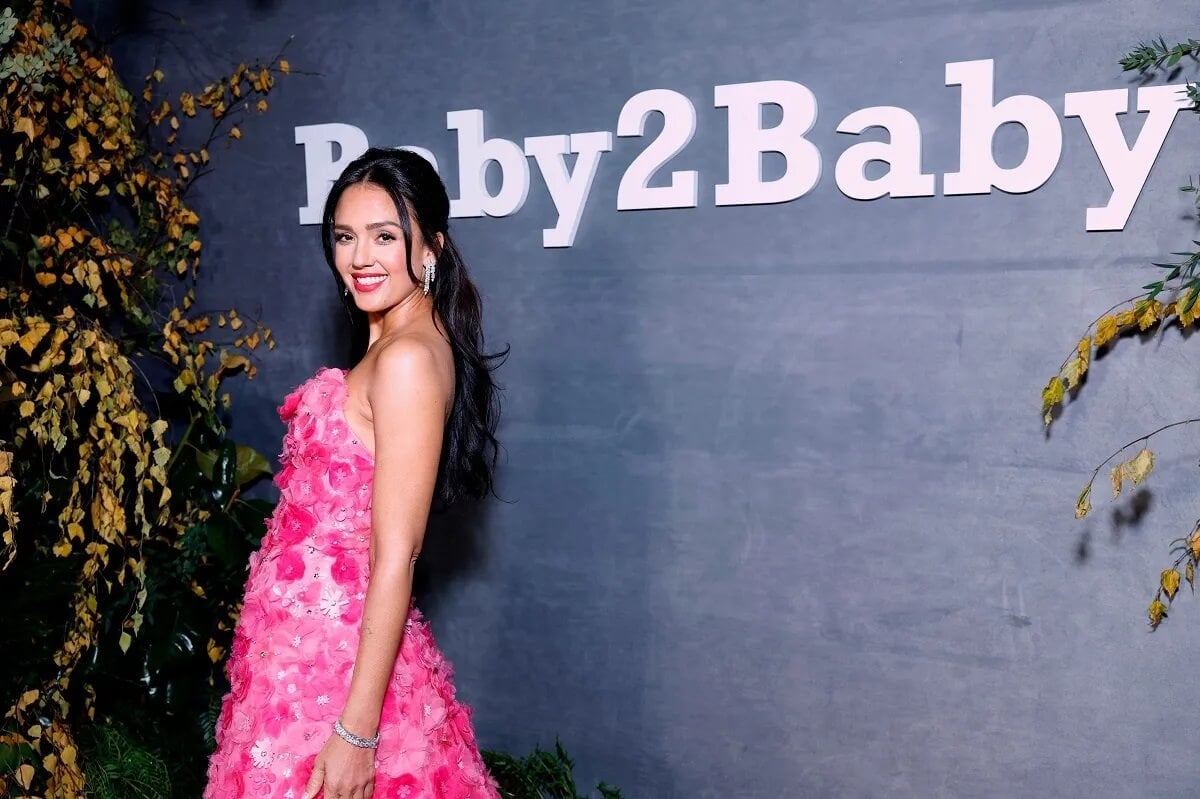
{"x": 411, "y": 363}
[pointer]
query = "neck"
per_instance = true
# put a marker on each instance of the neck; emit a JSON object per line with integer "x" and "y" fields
{"x": 399, "y": 317}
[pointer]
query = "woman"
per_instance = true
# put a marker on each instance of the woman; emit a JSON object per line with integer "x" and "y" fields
{"x": 337, "y": 688}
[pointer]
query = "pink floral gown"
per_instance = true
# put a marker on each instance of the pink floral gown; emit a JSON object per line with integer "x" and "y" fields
{"x": 294, "y": 646}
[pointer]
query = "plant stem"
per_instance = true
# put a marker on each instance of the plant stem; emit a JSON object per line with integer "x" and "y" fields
{"x": 179, "y": 447}
{"x": 1146, "y": 437}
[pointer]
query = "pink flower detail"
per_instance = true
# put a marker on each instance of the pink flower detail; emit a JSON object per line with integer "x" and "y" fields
{"x": 290, "y": 403}
{"x": 295, "y": 523}
{"x": 348, "y": 471}
{"x": 345, "y": 569}
{"x": 432, "y": 713}
{"x": 324, "y": 394}
{"x": 447, "y": 785}
{"x": 402, "y": 787}
{"x": 289, "y": 565}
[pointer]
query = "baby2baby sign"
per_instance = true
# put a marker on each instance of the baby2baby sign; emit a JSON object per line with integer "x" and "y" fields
{"x": 1126, "y": 165}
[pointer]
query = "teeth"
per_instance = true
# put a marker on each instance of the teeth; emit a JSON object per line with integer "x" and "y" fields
{"x": 370, "y": 281}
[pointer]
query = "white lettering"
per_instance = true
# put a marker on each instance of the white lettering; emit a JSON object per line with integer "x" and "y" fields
{"x": 1125, "y": 167}
{"x": 679, "y": 125}
{"x": 474, "y": 153}
{"x": 902, "y": 154}
{"x": 568, "y": 190}
{"x": 321, "y": 169}
{"x": 978, "y": 171}
{"x": 749, "y": 140}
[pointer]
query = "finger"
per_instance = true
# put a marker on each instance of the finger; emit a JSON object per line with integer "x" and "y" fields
{"x": 315, "y": 780}
{"x": 369, "y": 791}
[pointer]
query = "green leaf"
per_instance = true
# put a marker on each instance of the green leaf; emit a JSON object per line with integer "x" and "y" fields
{"x": 224, "y": 541}
{"x": 1191, "y": 299}
{"x": 224, "y": 473}
{"x": 13, "y": 756}
{"x": 205, "y": 460}
{"x": 251, "y": 464}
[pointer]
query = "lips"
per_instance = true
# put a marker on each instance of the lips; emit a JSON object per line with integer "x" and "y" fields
{"x": 365, "y": 284}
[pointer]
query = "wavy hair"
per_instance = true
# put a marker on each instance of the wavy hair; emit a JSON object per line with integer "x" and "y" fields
{"x": 469, "y": 446}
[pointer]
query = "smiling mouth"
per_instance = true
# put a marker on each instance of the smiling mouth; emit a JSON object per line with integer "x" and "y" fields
{"x": 368, "y": 282}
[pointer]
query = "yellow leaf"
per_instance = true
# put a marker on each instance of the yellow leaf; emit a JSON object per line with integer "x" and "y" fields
{"x": 1106, "y": 330}
{"x": 1083, "y": 505}
{"x": 45, "y": 279}
{"x": 27, "y": 409}
{"x": 1190, "y": 572}
{"x": 28, "y": 698}
{"x": 262, "y": 106}
{"x": 1126, "y": 318}
{"x": 1073, "y": 371}
{"x": 230, "y": 362}
{"x": 1148, "y": 314}
{"x": 1085, "y": 353}
{"x": 25, "y": 775}
{"x": 1140, "y": 467}
{"x": 1115, "y": 475}
{"x": 68, "y": 755}
{"x": 158, "y": 75}
{"x": 1158, "y": 612}
{"x": 1052, "y": 394}
{"x": 24, "y": 125}
{"x": 62, "y": 549}
{"x": 1170, "y": 582}
{"x": 284, "y": 67}
{"x": 235, "y": 133}
{"x": 37, "y": 331}
{"x": 126, "y": 640}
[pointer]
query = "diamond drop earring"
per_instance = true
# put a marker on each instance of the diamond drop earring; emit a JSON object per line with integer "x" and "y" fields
{"x": 430, "y": 270}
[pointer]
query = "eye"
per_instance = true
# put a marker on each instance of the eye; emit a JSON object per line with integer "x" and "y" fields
{"x": 341, "y": 237}
{"x": 385, "y": 236}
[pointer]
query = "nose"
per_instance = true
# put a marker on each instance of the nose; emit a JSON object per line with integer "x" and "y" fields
{"x": 362, "y": 256}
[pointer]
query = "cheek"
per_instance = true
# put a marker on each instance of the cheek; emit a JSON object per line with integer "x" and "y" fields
{"x": 394, "y": 262}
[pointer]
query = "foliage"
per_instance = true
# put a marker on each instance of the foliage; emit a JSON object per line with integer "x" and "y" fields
{"x": 109, "y": 525}
{"x": 540, "y": 775}
{"x": 117, "y": 768}
{"x": 1179, "y": 287}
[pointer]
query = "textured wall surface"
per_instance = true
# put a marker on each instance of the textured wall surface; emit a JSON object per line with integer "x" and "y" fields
{"x": 783, "y": 520}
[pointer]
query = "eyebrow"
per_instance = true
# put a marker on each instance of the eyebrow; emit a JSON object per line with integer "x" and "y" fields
{"x": 372, "y": 226}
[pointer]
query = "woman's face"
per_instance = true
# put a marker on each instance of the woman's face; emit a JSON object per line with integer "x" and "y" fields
{"x": 369, "y": 251}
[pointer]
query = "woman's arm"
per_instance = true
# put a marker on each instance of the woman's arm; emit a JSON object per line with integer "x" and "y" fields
{"x": 408, "y": 409}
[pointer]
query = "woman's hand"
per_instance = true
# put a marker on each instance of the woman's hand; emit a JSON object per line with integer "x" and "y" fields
{"x": 342, "y": 771}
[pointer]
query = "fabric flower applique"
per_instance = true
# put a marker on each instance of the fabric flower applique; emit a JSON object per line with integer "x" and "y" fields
{"x": 289, "y": 565}
{"x": 332, "y": 600}
{"x": 261, "y": 755}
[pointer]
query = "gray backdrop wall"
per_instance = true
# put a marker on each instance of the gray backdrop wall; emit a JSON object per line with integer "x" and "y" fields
{"x": 783, "y": 518}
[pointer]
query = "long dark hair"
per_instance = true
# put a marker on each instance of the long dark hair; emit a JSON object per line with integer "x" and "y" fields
{"x": 469, "y": 445}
